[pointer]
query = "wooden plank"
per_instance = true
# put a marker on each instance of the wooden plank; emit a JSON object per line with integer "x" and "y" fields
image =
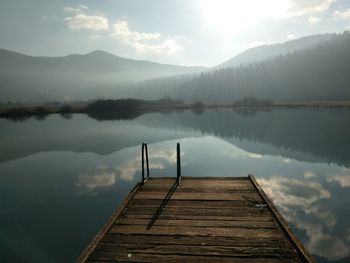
{"x": 190, "y": 203}
{"x": 205, "y": 219}
{"x": 199, "y": 184}
{"x": 196, "y": 231}
{"x": 197, "y": 211}
{"x": 196, "y": 240}
{"x": 193, "y": 179}
{"x": 199, "y": 190}
{"x": 138, "y": 257}
{"x": 206, "y": 250}
{"x": 195, "y": 196}
{"x": 90, "y": 248}
{"x": 172, "y": 222}
{"x": 284, "y": 225}
{"x": 195, "y": 207}
{"x": 201, "y": 217}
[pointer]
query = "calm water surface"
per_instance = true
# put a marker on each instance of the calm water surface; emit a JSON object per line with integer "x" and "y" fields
{"x": 61, "y": 178}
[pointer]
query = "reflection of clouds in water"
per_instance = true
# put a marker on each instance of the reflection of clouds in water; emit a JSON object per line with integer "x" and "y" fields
{"x": 91, "y": 182}
{"x": 298, "y": 200}
{"x": 290, "y": 194}
{"x": 255, "y": 156}
{"x": 323, "y": 244}
{"x": 128, "y": 170}
{"x": 343, "y": 179}
{"x": 308, "y": 175}
{"x": 157, "y": 161}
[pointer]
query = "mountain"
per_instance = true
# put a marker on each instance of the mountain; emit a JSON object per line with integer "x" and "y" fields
{"x": 266, "y": 52}
{"x": 319, "y": 73}
{"x": 86, "y": 76}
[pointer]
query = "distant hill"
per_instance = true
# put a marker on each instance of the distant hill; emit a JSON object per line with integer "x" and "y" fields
{"x": 94, "y": 74}
{"x": 320, "y": 72}
{"x": 265, "y": 52}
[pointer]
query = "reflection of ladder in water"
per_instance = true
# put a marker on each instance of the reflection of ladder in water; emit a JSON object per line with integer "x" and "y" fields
{"x": 144, "y": 155}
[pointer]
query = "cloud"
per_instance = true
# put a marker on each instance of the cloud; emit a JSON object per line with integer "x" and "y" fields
{"x": 91, "y": 182}
{"x": 342, "y": 14}
{"x": 295, "y": 195}
{"x": 77, "y": 9}
{"x": 121, "y": 31}
{"x": 308, "y": 175}
{"x": 302, "y": 7}
{"x": 284, "y": 192}
{"x": 323, "y": 244}
{"x": 82, "y": 21}
{"x": 169, "y": 46}
{"x": 255, "y": 156}
{"x": 95, "y": 37}
{"x": 144, "y": 42}
{"x": 159, "y": 160}
{"x": 343, "y": 180}
{"x": 314, "y": 19}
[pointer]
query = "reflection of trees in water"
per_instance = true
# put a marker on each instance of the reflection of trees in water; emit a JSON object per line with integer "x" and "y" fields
{"x": 323, "y": 133}
{"x": 19, "y": 118}
{"x": 198, "y": 111}
{"x": 114, "y": 115}
{"x": 66, "y": 116}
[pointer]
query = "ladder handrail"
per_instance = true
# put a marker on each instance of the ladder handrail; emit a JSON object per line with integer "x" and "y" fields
{"x": 144, "y": 150}
{"x": 178, "y": 162}
{"x": 144, "y": 153}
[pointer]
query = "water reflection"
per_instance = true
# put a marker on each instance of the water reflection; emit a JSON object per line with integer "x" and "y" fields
{"x": 68, "y": 175}
{"x": 91, "y": 182}
{"x": 303, "y": 134}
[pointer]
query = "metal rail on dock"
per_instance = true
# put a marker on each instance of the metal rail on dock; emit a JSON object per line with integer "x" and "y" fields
{"x": 144, "y": 155}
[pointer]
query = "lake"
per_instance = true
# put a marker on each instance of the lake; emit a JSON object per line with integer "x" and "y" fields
{"x": 61, "y": 177}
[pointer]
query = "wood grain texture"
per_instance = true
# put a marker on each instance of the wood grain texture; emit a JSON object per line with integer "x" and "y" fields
{"x": 206, "y": 219}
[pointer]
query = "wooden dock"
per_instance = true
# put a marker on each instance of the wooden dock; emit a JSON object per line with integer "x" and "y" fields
{"x": 196, "y": 220}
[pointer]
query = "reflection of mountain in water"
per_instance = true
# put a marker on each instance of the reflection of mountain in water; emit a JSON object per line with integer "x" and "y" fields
{"x": 78, "y": 134}
{"x": 302, "y": 134}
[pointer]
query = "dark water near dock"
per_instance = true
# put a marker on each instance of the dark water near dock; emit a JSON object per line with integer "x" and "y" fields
{"x": 61, "y": 178}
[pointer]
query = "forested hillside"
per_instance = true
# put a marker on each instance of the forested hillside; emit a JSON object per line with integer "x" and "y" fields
{"x": 317, "y": 73}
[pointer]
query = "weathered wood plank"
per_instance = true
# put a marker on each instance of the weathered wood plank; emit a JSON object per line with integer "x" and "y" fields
{"x": 197, "y": 212}
{"x": 205, "y": 219}
{"x": 115, "y": 256}
{"x": 200, "y": 190}
{"x": 202, "y": 178}
{"x": 187, "y": 183}
{"x": 207, "y": 250}
{"x": 177, "y": 222}
{"x": 190, "y": 203}
{"x": 196, "y": 240}
{"x": 201, "y": 217}
{"x": 196, "y": 231}
{"x": 196, "y": 196}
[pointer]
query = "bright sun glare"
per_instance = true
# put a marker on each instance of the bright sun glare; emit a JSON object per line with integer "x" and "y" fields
{"x": 230, "y": 17}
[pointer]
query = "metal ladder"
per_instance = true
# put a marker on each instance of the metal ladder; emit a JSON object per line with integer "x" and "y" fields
{"x": 144, "y": 155}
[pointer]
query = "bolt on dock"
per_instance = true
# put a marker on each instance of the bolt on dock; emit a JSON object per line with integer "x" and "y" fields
{"x": 196, "y": 219}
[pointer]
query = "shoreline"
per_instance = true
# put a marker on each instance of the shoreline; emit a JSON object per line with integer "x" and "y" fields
{"x": 8, "y": 111}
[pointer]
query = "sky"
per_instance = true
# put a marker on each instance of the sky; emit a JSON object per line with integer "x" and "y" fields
{"x": 183, "y": 32}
